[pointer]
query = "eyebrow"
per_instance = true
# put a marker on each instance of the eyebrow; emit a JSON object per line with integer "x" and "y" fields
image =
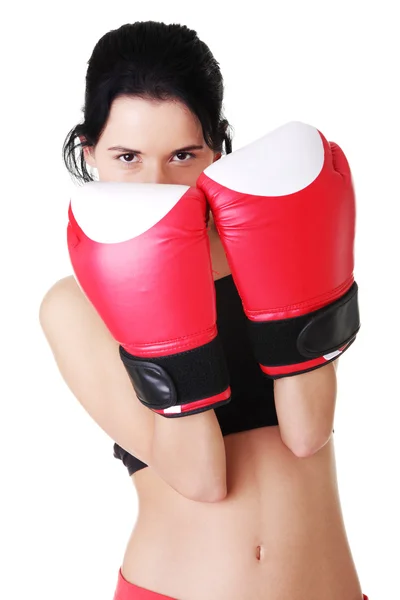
{"x": 131, "y": 151}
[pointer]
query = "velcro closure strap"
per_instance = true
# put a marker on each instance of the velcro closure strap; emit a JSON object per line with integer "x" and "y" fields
{"x": 331, "y": 327}
{"x": 323, "y": 333}
{"x": 180, "y": 379}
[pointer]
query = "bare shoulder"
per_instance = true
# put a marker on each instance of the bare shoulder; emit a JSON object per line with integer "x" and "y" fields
{"x": 87, "y": 357}
{"x": 62, "y": 292}
{"x": 66, "y": 310}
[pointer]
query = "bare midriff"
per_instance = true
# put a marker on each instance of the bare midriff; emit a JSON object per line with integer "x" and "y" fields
{"x": 278, "y": 535}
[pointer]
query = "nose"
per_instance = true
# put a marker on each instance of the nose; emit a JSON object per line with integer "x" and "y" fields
{"x": 156, "y": 174}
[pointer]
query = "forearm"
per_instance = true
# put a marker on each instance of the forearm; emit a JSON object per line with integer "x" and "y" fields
{"x": 188, "y": 453}
{"x": 305, "y": 406}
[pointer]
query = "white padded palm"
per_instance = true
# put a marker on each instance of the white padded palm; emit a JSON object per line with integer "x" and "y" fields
{"x": 110, "y": 212}
{"x": 282, "y": 162}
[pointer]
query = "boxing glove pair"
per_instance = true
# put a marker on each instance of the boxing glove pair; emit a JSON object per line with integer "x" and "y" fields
{"x": 284, "y": 208}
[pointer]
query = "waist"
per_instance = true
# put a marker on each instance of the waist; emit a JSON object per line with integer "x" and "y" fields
{"x": 279, "y": 530}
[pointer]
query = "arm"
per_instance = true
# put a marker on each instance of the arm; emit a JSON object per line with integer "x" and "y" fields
{"x": 287, "y": 225}
{"x": 192, "y": 454}
{"x": 305, "y": 405}
{"x": 88, "y": 359}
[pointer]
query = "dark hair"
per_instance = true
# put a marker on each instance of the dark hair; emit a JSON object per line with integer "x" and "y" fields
{"x": 149, "y": 60}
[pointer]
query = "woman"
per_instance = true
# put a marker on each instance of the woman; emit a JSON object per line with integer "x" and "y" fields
{"x": 231, "y": 505}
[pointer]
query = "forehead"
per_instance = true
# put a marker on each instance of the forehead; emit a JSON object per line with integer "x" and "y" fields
{"x": 143, "y": 123}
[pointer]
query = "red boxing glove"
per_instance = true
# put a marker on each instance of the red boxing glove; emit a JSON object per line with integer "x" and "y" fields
{"x": 284, "y": 208}
{"x": 141, "y": 254}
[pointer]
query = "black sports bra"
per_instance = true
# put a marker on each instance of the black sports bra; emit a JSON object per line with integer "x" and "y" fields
{"x": 252, "y": 404}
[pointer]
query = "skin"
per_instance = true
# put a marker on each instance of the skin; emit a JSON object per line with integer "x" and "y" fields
{"x": 278, "y": 532}
{"x": 158, "y": 130}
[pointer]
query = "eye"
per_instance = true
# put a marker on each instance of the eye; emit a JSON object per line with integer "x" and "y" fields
{"x": 182, "y": 156}
{"x": 128, "y": 158}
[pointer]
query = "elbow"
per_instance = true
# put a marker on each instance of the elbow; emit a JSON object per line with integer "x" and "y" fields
{"x": 215, "y": 488}
{"x": 211, "y": 487}
{"x": 217, "y": 493}
{"x": 304, "y": 447}
{"x": 191, "y": 485}
{"x": 211, "y": 495}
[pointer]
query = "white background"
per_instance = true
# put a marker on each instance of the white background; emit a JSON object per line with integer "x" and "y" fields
{"x": 67, "y": 506}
